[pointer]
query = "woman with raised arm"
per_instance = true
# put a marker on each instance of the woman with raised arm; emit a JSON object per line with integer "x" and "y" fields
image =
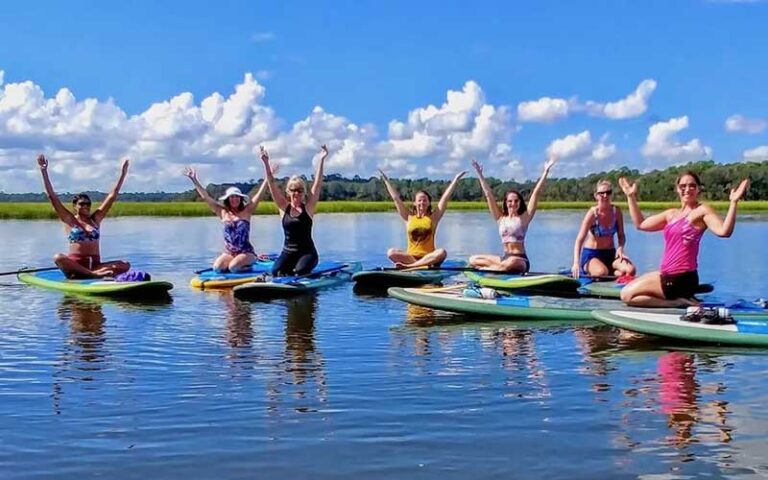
{"x": 83, "y": 230}
{"x": 594, "y": 253}
{"x": 299, "y": 255}
{"x": 676, "y": 282}
{"x": 235, "y": 212}
{"x": 513, "y": 220}
{"x": 420, "y": 224}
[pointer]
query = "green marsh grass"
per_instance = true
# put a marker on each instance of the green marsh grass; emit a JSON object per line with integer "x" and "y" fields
{"x": 40, "y": 210}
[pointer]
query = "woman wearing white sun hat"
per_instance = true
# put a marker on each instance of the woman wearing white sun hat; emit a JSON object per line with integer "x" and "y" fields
{"x": 235, "y": 210}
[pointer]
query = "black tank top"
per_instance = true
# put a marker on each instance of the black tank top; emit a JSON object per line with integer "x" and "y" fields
{"x": 298, "y": 231}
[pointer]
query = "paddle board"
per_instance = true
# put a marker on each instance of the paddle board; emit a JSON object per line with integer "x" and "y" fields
{"x": 750, "y": 329}
{"x": 383, "y": 278}
{"x": 56, "y": 280}
{"x": 209, "y": 279}
{"x": 545, "y": 282}
{"x": 326, "y": 274}
{"x": 613, "y": 289}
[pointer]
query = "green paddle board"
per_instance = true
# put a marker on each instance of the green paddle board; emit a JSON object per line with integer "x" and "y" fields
{"x": 56, "y": 280}
{"x": 543, "y": 283}
{"x": 325, "y": 275}
{"x": 384, "y": 278}
{"x": 750, "y": 329}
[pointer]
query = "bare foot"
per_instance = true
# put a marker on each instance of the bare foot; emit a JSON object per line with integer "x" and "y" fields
{"x": 400, "y": 265}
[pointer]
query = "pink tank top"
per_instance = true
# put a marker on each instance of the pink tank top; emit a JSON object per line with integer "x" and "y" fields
{"x": 681, "y": 247}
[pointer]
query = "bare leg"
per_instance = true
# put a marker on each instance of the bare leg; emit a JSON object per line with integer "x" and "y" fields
{"x": 242, "y": 261}
{"x": 645, "y": 291}
{"x": 399, "y": 257}
{"x": 110, "y": 269}
{"x": 71, "y": 268}
{"x": 486, "y": 262}
{"x": 513, "y": 265}
{"x": 429, "y": 260}
{"x": 221, "y": 264}
{"x": 623, "y": 267}
{"x": 596, "y": 268}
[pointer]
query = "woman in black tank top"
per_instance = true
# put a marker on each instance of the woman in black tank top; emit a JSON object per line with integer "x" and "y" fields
{"x": 299, "y": 255}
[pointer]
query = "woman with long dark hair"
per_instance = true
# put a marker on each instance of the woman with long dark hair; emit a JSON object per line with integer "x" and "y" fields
{"x": 84, "y": 230}
{"x": 234, "y": 210}
{"x": 513, "y": 220}
{"x": 421, "y": 224}
{"x": 677, "y": 279}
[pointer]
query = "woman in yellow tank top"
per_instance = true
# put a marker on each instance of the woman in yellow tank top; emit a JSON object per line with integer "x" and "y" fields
{"x": 421, "y": 224}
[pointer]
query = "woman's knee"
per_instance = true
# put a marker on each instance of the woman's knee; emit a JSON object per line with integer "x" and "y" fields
{"x": 59, "y": 257}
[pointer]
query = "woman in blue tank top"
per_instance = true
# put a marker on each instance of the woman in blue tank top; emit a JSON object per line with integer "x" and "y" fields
{"x": 234, "y": 210}
{"x": 299, "y": 255}
{"x": 594, "y": 253}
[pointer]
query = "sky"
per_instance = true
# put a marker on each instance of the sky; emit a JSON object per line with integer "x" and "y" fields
{"x": 413, "y": 88}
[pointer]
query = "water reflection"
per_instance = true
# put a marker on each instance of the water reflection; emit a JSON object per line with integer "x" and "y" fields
{"x": 299, "y": 380}
{"x": 83, "y": 354}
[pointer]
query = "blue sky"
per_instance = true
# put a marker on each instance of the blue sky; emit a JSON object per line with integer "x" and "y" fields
{"x": 600, "y": 84}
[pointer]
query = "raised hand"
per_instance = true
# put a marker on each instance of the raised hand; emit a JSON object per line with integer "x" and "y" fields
{"x": 275, "y": 167}
{"x": 629, "y": 188}
{"x": 459, "y": 175}
{"x": 738, "y": 192}
{"x": 383, "y": 175}
{"x": 190, "y": 173}
{"x": 124, "y": 166}
{"x": 478, "y": 166}
{"x": 324, "y": 151}
{"x": 551, "y": 161}
{"x": 42, "y": 162}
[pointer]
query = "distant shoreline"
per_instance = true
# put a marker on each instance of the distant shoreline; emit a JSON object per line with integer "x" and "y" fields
{"x": 42, "y": 211}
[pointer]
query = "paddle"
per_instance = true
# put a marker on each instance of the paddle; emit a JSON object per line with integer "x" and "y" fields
{"x": 293, "y": 280}
{"x": 29, "y": 270}
{"x": 462, "y": 269}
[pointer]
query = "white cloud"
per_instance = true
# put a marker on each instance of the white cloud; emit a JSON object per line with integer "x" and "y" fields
{"x": 633, "y": 105}
{"x": 759, "y": 154}
{"x": 262, "y": 37}
{"x": 662, "y": 144}
{"x": 85, "y": 139}
{"x": 544, "y": 110}
{"x": 740, "y": 123}
{"x": 465, "y": 126}
{"x": 549, "y": 110}
{"x": 580, "y": 146}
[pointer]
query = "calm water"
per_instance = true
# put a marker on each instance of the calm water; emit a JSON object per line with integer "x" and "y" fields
{"x": 346, "y": 385}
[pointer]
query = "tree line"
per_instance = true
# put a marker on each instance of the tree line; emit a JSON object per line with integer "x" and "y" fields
{"x": 657, "y": 185}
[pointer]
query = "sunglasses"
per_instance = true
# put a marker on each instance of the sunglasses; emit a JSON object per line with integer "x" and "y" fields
{"x": 604, "y": 193}
{"x": 83, "y": 204}
{"x": 682, "y": 186}
{"x": 297, "y": 190}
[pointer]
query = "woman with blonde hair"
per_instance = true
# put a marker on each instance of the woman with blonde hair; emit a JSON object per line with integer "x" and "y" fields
{"x": 299, "y": 255}
{"x": 594, "y": 253}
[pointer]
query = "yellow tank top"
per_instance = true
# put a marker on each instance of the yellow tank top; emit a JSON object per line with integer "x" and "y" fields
{"x": 421, "y": 235}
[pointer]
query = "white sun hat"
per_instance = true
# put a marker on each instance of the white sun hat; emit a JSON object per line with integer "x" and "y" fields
{"x": 232, "y": 191}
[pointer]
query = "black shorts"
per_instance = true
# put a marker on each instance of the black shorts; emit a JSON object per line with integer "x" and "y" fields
{"x": 680, "y": 285}
{"x": 521, "y": 256}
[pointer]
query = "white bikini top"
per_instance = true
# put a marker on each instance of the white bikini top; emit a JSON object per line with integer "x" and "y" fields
{"x": 511, "y": 230}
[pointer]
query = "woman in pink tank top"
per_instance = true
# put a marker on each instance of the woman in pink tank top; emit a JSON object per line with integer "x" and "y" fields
{"x": 676, "y": 282}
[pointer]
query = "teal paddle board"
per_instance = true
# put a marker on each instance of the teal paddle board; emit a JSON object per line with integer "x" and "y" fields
{"x": 326, "y": 274}
{"x": 750, "y": 329}
{"x": 389, "y": 277}
{"x": 56, "y": 280}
